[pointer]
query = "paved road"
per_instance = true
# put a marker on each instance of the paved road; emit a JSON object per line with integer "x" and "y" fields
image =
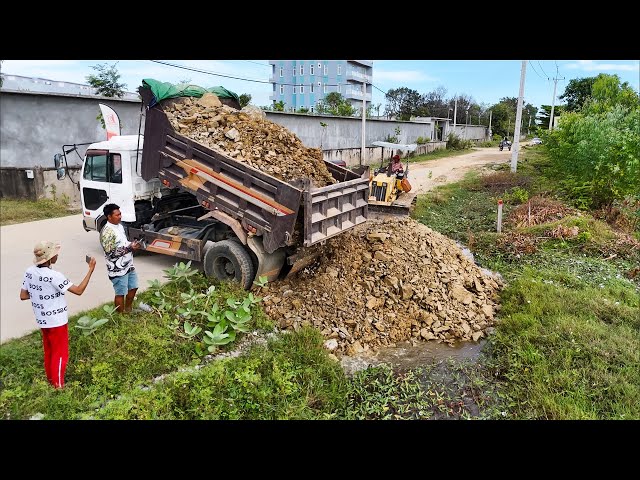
{"x": 16, "y": 254}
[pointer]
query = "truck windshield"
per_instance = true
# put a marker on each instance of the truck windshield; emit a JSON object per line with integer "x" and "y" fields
{"x": 106, "y": 167}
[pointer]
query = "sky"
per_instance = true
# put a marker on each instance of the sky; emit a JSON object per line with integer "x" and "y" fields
{"x": 486, "y": 81}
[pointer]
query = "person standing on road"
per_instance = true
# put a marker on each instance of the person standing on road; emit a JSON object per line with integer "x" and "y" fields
{"x": 46, "y": 288}
{"x": 118, "y": 253}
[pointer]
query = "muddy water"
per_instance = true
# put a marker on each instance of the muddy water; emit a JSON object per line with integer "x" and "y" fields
{"x": 405, "y": 356}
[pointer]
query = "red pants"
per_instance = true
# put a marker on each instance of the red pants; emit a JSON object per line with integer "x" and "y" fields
{"x": 55, "y": 341}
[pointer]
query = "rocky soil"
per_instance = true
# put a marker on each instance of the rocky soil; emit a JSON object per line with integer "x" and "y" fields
{"x": 384, "y": 282}
{"x": 247, "y": 136}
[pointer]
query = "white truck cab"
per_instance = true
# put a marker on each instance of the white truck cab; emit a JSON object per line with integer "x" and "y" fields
{"x": 111, "y": 174}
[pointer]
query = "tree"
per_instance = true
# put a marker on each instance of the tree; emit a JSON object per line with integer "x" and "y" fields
{"x": 245, "y": 99}
{"x": 596, "y": 150}
{"x": 435, "y": 104}
{"x": 576, "y": 93}
{"x": 403, "y": 103}
{"x": 544, "y": 115}
{"x": 106, "y": 82}
{"x": 335, "y": 104}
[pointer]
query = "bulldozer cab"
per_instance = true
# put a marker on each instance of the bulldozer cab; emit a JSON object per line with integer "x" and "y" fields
{"x": 387, "y": 187}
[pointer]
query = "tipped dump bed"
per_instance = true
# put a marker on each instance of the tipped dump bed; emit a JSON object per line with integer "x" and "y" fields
{"x": 263, "y": 204}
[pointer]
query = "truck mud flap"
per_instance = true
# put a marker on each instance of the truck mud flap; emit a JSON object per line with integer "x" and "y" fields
{"x": 173, "y": 245}
{"x": 331, "y": 210}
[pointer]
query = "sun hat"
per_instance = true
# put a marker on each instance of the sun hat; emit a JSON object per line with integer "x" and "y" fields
{"x": 45, "y": 250}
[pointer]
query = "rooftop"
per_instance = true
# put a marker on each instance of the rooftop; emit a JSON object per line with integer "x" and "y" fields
{"x": 44, "y": 85}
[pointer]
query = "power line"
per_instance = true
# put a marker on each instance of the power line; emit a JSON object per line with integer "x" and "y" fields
{"x": 258, "y": 63}
{"x": 199, "y": 70}
{"x": 534, "y": 69}
{"x": 540, "y": 65}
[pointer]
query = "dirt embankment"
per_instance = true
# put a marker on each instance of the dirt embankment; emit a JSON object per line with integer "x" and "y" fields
{"x": 385, "y": 282}
{"x": 248, "y": 137}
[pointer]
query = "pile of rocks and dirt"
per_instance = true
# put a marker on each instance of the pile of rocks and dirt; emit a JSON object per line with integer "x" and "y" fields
{"x": 247, "y": 136}
{"x": 384, "y": 282}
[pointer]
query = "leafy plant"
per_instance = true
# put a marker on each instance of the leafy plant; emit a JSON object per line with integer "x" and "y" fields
{"x": 88, "y": 324}
{"x": 181, "y": 272}
{"x": 106, "y": 82}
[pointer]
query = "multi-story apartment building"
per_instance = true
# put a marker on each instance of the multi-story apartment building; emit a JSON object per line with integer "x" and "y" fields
{"x": 303, "y": 83}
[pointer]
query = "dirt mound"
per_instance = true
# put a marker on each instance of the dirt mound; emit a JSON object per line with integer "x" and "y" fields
{"x": 385, "y": 282}
{"x": 248, "y": 137}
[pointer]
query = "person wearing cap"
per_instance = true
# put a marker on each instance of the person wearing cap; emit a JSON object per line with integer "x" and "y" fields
{"x": 118, "y": 253}
{"x": 45, "y": 287}
{"x": 396, "y": 165}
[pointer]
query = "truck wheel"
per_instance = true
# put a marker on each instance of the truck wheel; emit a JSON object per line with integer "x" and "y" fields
{"x": 228, "y": 260}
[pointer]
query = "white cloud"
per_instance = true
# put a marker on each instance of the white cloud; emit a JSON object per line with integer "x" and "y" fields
{"x": 591, "y": 65}
{"x": 407, "y": 76}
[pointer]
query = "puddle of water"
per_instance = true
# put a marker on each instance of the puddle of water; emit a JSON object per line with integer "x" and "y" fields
{"x": 405, "y": 356}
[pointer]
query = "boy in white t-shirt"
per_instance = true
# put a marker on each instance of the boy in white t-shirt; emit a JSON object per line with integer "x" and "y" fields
{"x": 46, "y": 288}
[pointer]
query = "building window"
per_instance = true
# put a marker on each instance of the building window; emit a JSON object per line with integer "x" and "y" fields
{"x": 319, "y": 65}
{"x": 301, "y": 107}
{"x": 339, "y": 70}
{"x": 301, "y": 69}
{"x": 281, "y": 89}
{"x": 301, "y": 88}
{"x": 311, "y": 87}
{"x": 282, "y": 71}
{"x": 325, "y": 88}
{"x": 319, "y": 84}
{"x": 294, "y": 89}
{"x": 326, "y": 69}
{"x": 311, "y": 69}
{"x": 311, "y": 108}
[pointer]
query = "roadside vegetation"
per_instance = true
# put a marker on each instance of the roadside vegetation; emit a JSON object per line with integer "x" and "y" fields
{"x": 20, "y": 211}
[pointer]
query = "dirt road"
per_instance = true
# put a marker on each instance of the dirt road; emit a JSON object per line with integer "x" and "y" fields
{"x": 451, "y": 169}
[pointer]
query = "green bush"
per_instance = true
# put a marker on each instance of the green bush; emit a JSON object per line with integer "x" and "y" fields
{"x": 454, "y": 142}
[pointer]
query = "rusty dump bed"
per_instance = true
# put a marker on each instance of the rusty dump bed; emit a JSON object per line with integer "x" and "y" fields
{"x": 254, "y": 198}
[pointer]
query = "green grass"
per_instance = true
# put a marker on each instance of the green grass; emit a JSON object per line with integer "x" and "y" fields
{"x": 566, "y": 345}
{"x": 20, "y": 211}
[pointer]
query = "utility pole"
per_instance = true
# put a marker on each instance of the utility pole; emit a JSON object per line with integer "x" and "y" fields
{"x": 364, "y": 114}
{"x": 553, "y": 100}
{"x": 490, "y": 114}
{"x": 529, "y": 127}
{"x": 516, "y": 133}
{"x": 455, "y": 112}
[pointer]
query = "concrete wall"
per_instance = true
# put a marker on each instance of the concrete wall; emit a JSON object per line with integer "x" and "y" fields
{"x": 346, "y": 132}
{"x": 374, "y": 155}
{"x": 477, "y": 133}
{"x": 34, "y": 126}
{"x": 15, "y": 183}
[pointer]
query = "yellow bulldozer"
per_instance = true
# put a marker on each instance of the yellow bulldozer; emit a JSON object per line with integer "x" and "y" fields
{"x": 389, "y": 185}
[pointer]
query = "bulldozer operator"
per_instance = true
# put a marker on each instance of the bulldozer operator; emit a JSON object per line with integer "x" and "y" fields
{"x": 395, "y": 166}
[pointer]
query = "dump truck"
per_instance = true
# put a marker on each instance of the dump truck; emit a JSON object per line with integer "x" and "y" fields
{"x": 184, "y": 199}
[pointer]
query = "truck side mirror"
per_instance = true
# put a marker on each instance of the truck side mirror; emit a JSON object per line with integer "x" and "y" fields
{"x": 57, "y": 162}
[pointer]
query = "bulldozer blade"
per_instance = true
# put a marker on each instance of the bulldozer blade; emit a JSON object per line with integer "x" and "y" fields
{"x": 382, "y": 211}
{"x": 403, "y": 206}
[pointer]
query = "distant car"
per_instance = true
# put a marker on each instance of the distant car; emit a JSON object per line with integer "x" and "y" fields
{"x": 535, "y": 141}
{"x": 340, "y": 163}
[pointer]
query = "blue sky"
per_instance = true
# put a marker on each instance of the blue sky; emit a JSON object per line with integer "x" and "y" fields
{"x": 485, "y": 80}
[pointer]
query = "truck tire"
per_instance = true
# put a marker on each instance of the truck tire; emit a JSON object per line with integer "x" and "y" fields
{"x": 229, "y": 260}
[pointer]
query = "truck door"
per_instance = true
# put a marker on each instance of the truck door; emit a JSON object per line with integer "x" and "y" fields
{"x": 120, "y": 185}
{"x": 102, "y": 183}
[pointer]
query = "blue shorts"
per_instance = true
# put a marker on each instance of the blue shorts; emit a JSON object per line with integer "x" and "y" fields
{"x": 126, "y": 282}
